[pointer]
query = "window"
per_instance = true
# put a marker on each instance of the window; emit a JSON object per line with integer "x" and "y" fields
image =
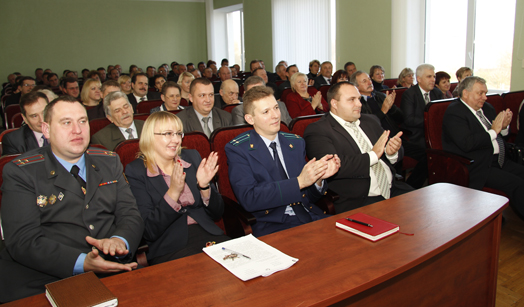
{"x": 303, "y": 30}
{"x": 235, "y": 41}
{"x": 472, "y": 33}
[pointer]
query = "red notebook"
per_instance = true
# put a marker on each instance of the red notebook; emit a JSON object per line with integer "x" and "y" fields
{"x": 380, "y": 229}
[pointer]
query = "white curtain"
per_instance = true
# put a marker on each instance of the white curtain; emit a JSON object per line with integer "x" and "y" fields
{"x": 301, "y": 32}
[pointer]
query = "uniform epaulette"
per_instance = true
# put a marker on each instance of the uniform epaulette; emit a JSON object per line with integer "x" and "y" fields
{"x": 29, "y": 160}
{"x": 101, "y": 152}
{"x": 239, "y": 139}
{"x": 290, "y": 135}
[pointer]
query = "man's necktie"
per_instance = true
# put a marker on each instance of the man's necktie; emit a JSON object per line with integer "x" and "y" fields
{"x": 81, "y": 182}
{"x": 378, "y": 168}
{"x": 130, "y": 133}
{"x": 426, "y": 97}
{"x": 299, "y": 209}
{"x": 502, "y": 150}
{"x": 46, "y": 142}
{"x": 207, "y": 131}
{"x": 142, "y": 99}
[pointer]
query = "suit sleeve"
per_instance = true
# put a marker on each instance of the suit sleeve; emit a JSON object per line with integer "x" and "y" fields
{"x": 408, "y": 106}
{"x": 297, "y": 106}
{"x": 284, "y": 114}
{"x": 238, "y": 115}
{"x": 252, "y": 186}
{"x": 24, "y": 237}
{"x": 321, "y": 142}
{"x": 8, "y": 148}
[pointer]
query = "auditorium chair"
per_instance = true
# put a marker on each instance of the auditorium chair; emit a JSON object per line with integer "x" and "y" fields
{"x": 399, "y": 91}
{"x": 17, "y": 120}
{"x": 2, "y": 137}
{"x": 285, "y": 92}
{"x": 444, "y": 166}
{"x": 278, "y": 82}
{"x": 496, "y": 101}
{"x": 452, "y": 86}
{"x": 298, "y": 125}
{"x": 323, "y": 90}
{"x": 241, "y": 91}
{"x": 219, "y": 138}
{"x": 512, "y": 100}
{"x": 141, "y": 116}
{"x": 146, "y": 106}
{"x": 127, "y": 151}
{"x": 97, "y": 124}
{"x": 390, "y": 82}
{"x": 9, "y": 112}
{"x": 230, "y": 107}
{"x": 3, "y": 161}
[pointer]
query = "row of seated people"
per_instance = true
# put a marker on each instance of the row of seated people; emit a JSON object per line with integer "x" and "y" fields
{"x": 267, "y": 171}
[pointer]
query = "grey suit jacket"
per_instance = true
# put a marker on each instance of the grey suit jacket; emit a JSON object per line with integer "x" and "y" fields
{"x": 111, "y": 135}
{"x": 238, "y": 114}
{"x": 188, "y": 116}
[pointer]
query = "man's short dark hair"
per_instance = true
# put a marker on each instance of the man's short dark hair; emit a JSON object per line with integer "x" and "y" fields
{"x": 48, "y": 111}
{"x": 38, "y": 70}
{"x": 64, "y": 81}
{"x": 131, "y": 67}
{"x": 334, "y": 91}
{"x": 84, "y": 70}
{"x": 468, "y": 83}
{"x": 149, "y": 67}
{"x": 45, "y": 74}
{"x": 170, "y": 84}
{"x": 93, "y": 73}
{"x": 257, "y": 69}
{"x": 190, "y": 63}
{"x": 253, "y": 80}
{"x": 23, "y": 79}
{"x": 51, "y": 74}
{"x": 158, "y": 76}
{"x": 199, "y": 63}
{"x": 109, "y": 83}
{"x": 133, "y": 79}
{"x": 224, "y": 61}
{"x": 348, "y": 64}
{"x": 293, "y": 65}
{"x": 254, "y": 94}
{"x": 203, "y": 81}
{"x": 30, "y": 98}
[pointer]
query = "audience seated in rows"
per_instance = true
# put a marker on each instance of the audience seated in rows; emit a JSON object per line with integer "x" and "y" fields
{"x": 228, "y": 94}
{"x": 171, "y": 98}
{"x": 304, "y": 100}
{"x": 406, "y": 78}
{"x": 98, "y": 111}
{"x": 324, "y": 78}
{"x": 140, "y": 85}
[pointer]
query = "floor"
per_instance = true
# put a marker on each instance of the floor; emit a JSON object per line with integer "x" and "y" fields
{"x": 510, "y": 285}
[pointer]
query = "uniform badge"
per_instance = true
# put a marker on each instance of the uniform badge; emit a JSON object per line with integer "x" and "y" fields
{"x": 84, "y": 190}
{"x": 41, "y": 201}
{"x": 60, "y": 196}
{"x": 290, "y": 145}
{"x": 52, "y": 199}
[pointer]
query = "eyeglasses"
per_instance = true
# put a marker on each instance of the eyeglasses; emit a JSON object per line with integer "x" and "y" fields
{"x": 169, "y": 135}
{"x": 29, "y": 85}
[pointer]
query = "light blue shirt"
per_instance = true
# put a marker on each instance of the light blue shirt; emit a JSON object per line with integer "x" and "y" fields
{"x": 81, "y": 163}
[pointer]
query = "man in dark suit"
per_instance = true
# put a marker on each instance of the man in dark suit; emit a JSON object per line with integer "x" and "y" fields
{"x": 202, "y": 115}
{"x": 228, "y": 94}
{"x": 140, "y": 85}
{"x": 290, "y": 71}
{"x": 25, "y": 85}
{"x": 378, "y": 103}
{"x": 65, "y": 210}
{"x": 120, "y": 113}
{"x": 268, "y": 172}
{"x": 413, "y": 103}
{"x": 324, "y": 78}
{"x": 471, "y": 128}
{"x": 30, "y": 135}
{"x": 367, "y": 154}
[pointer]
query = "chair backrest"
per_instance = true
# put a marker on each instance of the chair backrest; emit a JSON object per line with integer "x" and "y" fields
{"x": 230, "y": 107}
{"x": 9, "y": 112}
{"x": 496, "y": 101}
{"x": 141, "y": 116}
{"x": 219, "y": 138}
{"x": 146, "y": 106}
{"x": 184, "y": 102}
{"x": 199, "y": 141}
{"x": 3, "y": 161}
{"x": 452, "y": 86}
{"x": 285, "y": 92}
{"x": 398, "y": 96}
{"x": 512, "y": 100}
{"x": 2, "y": 136}
{"x": 433, "y": 117}
{"x": 97, "y": 124}
{"x": 127, "y": 151}
{"x": 323, "y": 90}
{"x": 17, "y": 120}
{"x": 284, "y": 128}
{"x": 298, "y": 125}
{"x": 241, "y": 91}
{"x": 390, "y": 82}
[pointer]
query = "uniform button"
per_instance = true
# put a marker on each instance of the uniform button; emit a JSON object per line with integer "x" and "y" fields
{"x": 87, "y": 206}
{"x": 52, "y": 173}
{"x": 325, "y": 193}
{"x": 311, "y": 207}
{"x": 293, "y": 204}
{"x": 91, "y": 227}
{"x": 267, "y": 211}
{"x": 324, "y": 212}
{"x": 303, "y": 195}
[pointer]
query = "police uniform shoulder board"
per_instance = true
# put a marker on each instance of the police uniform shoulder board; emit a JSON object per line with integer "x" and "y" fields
{"x": 29, "y": 160}
{"x": 101, "y": 152}
{"x": 240, "y": 139}
{"x": 290, "y": 135}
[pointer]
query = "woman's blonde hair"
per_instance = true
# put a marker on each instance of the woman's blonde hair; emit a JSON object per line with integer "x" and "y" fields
{"x": 185, "y": 74}
{"x": 294, "y": 78}
{"x": 147, "y": 138}
{"x": 87, "y": 87}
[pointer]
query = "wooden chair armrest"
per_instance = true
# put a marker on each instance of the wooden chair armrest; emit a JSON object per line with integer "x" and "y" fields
{"x": 237, "y": 221}
{"x": 327, "y": 202}
{"x": 141, "y": 257}
{"x": 447, "y": 167}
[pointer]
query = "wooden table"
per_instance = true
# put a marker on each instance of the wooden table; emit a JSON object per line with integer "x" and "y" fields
{"x": 450, "y": 261}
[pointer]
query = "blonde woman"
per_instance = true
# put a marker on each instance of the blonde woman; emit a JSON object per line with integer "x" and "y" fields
{"x": 184, "y": 80}
{"x": 91, "y": 94}
{"x": 304, "y": 100}
{"x": 125, "y": 84}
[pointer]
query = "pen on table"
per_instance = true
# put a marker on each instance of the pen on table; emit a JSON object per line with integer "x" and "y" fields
{"x": 232, "y": 251}
{"x": 358, "y": 222}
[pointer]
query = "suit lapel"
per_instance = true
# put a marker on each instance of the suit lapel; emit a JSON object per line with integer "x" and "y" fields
{"x": 30, "y": 139}
{"x": 193, "y": 122}
{"x": 216, "y": 119}
{"x": 288, "y": 147}
{"x": 116, "y": 135}
{"x": 340, "y": 130}
{"x": 259, "y": 151}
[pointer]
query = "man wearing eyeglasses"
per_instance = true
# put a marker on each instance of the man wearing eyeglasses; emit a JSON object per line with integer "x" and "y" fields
{"x": 69, "y": 86}
{"x": 120, "y": 113}
{"x": 25, "y": 85}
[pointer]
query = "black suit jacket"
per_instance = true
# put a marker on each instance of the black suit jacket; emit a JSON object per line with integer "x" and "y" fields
{"x": 19, "y": 141}
{"x": 352, "y": 181}
{"x": 150, "y": 96}
{"x": 319, "y": 81}
{"x": 166, "y": 230}
{"x": 190, "y": 120}
{"x": 389, "y": 121}
{"x": 413, "y": 105}
{"x": 110, "y": 135}
{"x": 463, "y": 134}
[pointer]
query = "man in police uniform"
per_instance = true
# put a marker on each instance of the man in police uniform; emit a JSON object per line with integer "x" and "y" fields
{"x": 58, "y": 224}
